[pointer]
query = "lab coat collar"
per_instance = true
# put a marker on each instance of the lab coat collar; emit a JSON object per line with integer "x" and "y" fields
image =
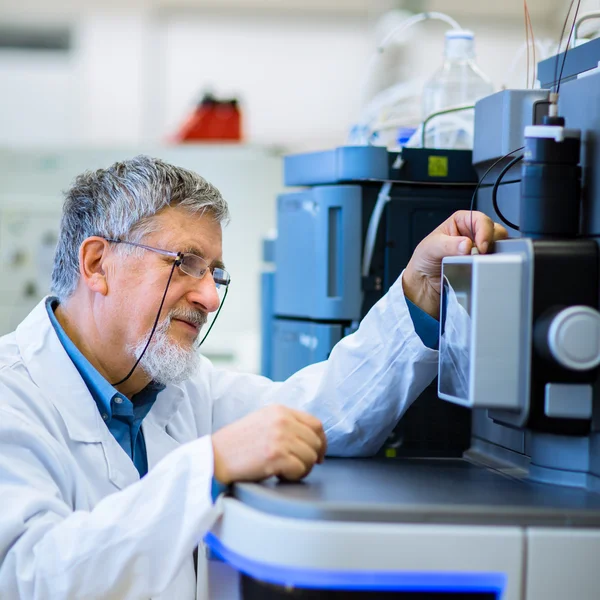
{"x": 166, "y": 404}
{"x": 44, "y": 356}
{"x": 57, "y": 377}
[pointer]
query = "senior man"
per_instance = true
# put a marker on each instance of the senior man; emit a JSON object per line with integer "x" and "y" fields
{"x": 115, "y": 432}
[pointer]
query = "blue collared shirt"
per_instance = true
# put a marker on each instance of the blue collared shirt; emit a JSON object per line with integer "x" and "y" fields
{"x": 426, "y": 327}
{"x": 122, "y": 416}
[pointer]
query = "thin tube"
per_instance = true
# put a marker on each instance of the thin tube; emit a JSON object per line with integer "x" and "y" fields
{"x": 504, "y": 171}
{"x": 382, "y": 199}
{"x": 591, "y": 15}
{"x": 539, "y": 47}
{"x": 441, "y": 112}
{"x": 560, "y": 39}
{"x": 567, "y": 46}
{"x": 424, "y": 16}
{"x": 480, "y": 182}
{"x": 526, "y": 44}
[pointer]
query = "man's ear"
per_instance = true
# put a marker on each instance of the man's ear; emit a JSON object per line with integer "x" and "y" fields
{"x": 93, "y": 254}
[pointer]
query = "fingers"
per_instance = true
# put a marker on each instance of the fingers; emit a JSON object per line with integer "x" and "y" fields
{"x": 298, "y": 462}
{"x": 323, "y": 450}
{"x": 307, "y": 419}
{"x": 293, "y": 469}
{"x": 307, "y": 435}
{"x": 500, "y": 233}
{"x": 297, "y": 442}
{"x": 475, "y": 223}
{"x": 448, "y": 245}
{"x": 275, "y": 440}
{"x": 315, "y": 426}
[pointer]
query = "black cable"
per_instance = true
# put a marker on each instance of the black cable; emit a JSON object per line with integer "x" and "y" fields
{"x": 214, "y": 320}
{"x": 558, "y": 76}
{"x": 175, "y": 264}
{"x": 489, "y": 185}
{"x": 137, "y": 362}
{"x": 504, "y": 171}
{"x": 567, "y": 46}
{"x": 480, "y": 182}
{"x": 560, "y": 39}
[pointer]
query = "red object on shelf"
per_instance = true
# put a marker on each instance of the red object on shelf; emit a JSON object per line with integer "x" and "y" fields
{"x": 213, "y": 120}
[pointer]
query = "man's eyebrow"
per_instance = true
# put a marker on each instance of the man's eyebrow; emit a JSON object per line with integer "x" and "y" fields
{"x": 197, "y": 250}
{"x": 190, "y": 249}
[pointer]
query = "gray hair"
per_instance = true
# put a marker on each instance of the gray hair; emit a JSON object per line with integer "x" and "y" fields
{"x": 119, "y": 202}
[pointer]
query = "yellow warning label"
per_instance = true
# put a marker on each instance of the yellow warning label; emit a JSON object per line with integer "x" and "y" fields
{"x": 438, "y": 166}
{"x": 390, "y": 452}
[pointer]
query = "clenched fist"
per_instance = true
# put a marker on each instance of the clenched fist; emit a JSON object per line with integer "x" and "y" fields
{"x": 274, "y": 440}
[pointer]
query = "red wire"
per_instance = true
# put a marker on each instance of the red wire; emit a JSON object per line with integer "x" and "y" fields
{"x": 533, "y": 73}
{"x": 526, "y": 42}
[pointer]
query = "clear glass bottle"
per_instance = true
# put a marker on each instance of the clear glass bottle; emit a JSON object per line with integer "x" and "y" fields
{"x": 458, "y": 82}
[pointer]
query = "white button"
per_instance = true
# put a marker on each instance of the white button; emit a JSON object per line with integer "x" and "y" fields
{"x": 118, "y": 399}
{"x": 574, "y": 338}
{"x": 105, "y": 416}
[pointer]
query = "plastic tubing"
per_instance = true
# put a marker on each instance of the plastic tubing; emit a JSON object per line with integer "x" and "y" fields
{"x": 382, "y": 199}
{"x": 424, "y": 16}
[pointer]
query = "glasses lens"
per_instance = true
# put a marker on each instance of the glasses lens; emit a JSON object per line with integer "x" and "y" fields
{"x": 196, "y": 266}
{"x": 221, "y": 277}
{"x": 193, "y": 265}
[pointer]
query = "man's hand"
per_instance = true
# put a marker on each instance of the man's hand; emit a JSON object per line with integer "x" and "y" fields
{"x": 422, "y": 278}
{"x": 275, "y": 440}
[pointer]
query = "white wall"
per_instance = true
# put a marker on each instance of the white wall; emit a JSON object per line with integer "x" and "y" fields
{"x": 132, "y": 76}
{"x": 111, "y": 62}
{"x": 297, "y": 77}
{"x": 37, "y": 98}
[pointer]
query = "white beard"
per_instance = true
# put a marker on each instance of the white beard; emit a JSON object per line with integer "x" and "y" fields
{"x": 165, "y": 361}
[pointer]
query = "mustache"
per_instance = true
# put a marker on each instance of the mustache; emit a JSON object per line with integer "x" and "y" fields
{"x": 196, "y": 317}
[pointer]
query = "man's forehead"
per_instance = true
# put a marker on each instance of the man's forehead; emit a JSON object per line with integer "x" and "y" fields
{"x": 203, "y": 248}
{"x": 190, "y": 233}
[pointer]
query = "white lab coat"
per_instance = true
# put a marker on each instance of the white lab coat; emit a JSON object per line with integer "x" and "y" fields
{"x": 76, "y": 522}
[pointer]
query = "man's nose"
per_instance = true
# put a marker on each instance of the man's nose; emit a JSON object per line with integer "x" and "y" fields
{"x": 204, "y": 294}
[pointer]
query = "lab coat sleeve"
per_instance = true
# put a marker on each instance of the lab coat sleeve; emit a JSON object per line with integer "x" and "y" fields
{"x": 369, "y": 381}
{"x": 130, "y": 545}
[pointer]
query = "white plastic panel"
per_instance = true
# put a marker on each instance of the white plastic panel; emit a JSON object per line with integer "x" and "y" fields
{"x": 482, "y": 350}
{"x": 563, "y": 564}
{"x": 391, "y": 547}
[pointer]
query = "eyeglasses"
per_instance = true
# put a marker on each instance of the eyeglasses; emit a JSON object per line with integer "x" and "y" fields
{"x": 190, "y": 264}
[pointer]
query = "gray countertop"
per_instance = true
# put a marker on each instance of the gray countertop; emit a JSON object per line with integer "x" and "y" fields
{"x": 449, "y": 491}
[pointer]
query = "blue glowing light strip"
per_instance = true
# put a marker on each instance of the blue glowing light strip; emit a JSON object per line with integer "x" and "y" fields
{"x": 425, "y": 581}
